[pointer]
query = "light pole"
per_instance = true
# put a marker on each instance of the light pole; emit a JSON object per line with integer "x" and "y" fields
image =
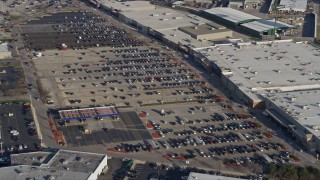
{"x": 276, "y": 7}
{"x": 1, "y": 147}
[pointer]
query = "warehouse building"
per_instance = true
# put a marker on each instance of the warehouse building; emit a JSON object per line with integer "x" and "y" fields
{"x": 246, "y": 23}
{"x": 228, "y": 16}
{"x": 127, "y": 6}
{"x": 251, "y": 69}
{"x": 244, "y": 3}
{"x": 4, "y": 51}
{"x": 201, "y": 176}
{"x": 265, "y": 27}
{"x": 294, "y": 5}
{"x": 298, "y": 112}
{"x": 208, "y": 31}
{"x": 61, "y": 164}
{"x": 160, "y": 19}
{"x": 176, "y": 28}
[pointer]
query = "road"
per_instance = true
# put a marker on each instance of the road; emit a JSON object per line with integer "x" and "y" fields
{"x": 41, "y": 110}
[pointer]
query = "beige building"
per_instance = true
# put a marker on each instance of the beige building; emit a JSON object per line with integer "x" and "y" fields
{"x": 128, "y": 6}
{"x": 208, "y": 31}
{"x": 4, "y": 51}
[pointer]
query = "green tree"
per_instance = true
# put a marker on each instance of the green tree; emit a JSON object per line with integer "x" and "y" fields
{"x": 272, "y": 169}
{"x": 288, "y": 171}
{"x": 315, "y": 172}
{"x": 303, "y": 173}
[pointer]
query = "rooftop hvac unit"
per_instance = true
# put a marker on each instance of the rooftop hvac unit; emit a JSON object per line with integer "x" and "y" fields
{"x": 195, "y": 27}
{"x": 304, "y": 106}
{"x": 269, "y": 82}
{"x": 177, "y": 18}
{"x": 154, "y": 14}
{"x": 293, "y": 99}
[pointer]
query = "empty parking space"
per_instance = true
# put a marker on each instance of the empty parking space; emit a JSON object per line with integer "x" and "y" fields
{"x": 128, "y": 128}
{"x": 9, "y": 78}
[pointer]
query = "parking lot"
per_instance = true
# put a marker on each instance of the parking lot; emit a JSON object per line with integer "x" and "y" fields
{"x": 194, "y": 132}
{"x": 188, "y": 119}
{"x": 76, "y": 30}
{"x": 18, "y": 131}
{"x": 128, "y": 128}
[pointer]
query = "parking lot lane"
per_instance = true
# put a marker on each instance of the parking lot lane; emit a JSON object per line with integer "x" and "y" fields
{"x": 116, "y": 136}
{"x": 19, "y": 121}
{"x": 106, "y": 136}
{"x": 70, "y": 138}
{"x": 100, "y": 137}
{"x": 90, "y": 139}
{"x": 134, "y": 123}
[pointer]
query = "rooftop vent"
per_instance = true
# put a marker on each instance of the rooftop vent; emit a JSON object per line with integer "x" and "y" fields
{"x": 293, "y": 99}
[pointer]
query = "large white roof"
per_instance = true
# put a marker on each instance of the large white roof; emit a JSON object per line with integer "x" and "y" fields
{"x": 164, "y": 18}
{"x": 255, "y": 69}
{"x": 200, "y": 176}
{"x": 128, "y": 5}
{"x": 295, "y": 5}
{"x": 303, "y": 106}
{"x": 264, "y": 25}
{"x": 231, "y": 14}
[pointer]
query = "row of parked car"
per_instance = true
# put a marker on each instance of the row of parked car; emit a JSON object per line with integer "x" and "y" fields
{"x": 210, "y": 129}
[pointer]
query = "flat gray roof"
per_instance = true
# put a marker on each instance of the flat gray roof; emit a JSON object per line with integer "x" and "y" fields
{"x": 268, "y": 66}
{"x": 62, "y": 165}
{"x": 128, "y": 5}
{"x": 176, "y": 36}
{"x": 4, "y": 47}
{"x": 265, "y": 25}
{"x": 24, "y": 172}
{"x": 76, "y": 161}
{"x": 303, "y": 106}
{"x": 202, "y": 29}
{"x": 200, "y": 176}
{"x": 294, "y": 5}
{"x": 32, "y": 158}
{"x": 164, "y": 18}
{"x": 231, "y": 14}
